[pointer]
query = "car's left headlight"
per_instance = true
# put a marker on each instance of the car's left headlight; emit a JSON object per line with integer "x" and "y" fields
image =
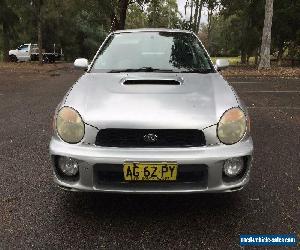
{"x": 232, "y": 126}
{"x": 69, "y": 125}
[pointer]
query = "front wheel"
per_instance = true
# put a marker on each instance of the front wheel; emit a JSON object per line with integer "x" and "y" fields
{"x": 13, "y": 58}
{"x": 45, "y": 59}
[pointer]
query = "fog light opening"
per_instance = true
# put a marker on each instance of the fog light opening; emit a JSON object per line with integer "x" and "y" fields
{"x": 68, "y": 166}
{"x": 233, "y": 167}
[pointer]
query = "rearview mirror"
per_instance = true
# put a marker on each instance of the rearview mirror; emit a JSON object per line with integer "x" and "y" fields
{"x": 81, "y": 63}
{"x": 222, "y": 64}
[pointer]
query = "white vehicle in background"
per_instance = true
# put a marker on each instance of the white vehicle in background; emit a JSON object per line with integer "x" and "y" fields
{"x": 30, "y": 52}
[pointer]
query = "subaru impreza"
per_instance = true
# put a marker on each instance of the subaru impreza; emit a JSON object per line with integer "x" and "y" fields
{"x": 151, "y": 114}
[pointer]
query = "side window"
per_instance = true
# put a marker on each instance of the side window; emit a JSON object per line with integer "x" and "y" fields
{"x": 203, "y": 61}
{"x": 23, "y": 48}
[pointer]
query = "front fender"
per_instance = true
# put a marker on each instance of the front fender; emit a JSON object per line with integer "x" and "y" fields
{"x": 12, "y": 52}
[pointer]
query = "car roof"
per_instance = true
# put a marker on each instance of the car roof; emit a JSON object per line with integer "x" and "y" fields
{"x": 151, "y": 30}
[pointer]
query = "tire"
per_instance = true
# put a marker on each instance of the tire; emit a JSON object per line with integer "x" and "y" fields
{"x": 13, "y": 58}
{"x": 45, "y": 59}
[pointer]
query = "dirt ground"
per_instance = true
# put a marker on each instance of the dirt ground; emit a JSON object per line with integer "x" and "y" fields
{"x": 35, "y": 214}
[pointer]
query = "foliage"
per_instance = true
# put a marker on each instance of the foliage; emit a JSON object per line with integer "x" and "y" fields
{"x": 136, "y": 17}
{"x": 237, "y": 29}
{"x": 163, "y": 14}
{"x": 222, "y": 36}
{"x": 286, "y": 29}
{"x": 159, "y": 14}
{"x": 8, "y": 19}
{"x": 246, "y": 22}
{"x": 234, "y": 27}
{"x": 76, "y": 26}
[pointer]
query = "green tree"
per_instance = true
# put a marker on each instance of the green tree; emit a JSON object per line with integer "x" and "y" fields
{"x": 77, "y": 26}
{"x": 212, "y": 6}
{"x": 163, "y": 14}
{"x": 136, "y": 17}
{"x": 286, "y": 28}
{"x": 246, "y": 24}
{"x": 8, "y": 19}
{"x": 222, "y": 37}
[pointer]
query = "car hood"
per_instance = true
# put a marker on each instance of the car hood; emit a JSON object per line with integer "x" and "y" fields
{"x": 104, "y": 101}
{"x": 12, "y": 51}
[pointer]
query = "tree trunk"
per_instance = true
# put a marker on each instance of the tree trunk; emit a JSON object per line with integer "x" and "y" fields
{"x": 5, "y": 40}
{"x": 209, "y": 26}
{"x": 256, "y": 57}
{"x": 191, "y": 17}
{"x": 123, "y": 12}
{"x": 280, "y": 55}
{"x": 243, "y": 57}
{"x": 292, "y": 52}
{"x": 38, "y": 7}
{"x": 266, "y": 37}
{"x": 185, "y": 7}
{"x": 248, "y": 59}
{"x": 40, "y": 39}
{"x": 199, "y": 16}
{"x": 196, "y": 16}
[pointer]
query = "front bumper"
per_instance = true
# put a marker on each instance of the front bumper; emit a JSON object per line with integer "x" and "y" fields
{"x": 213, "y": 157}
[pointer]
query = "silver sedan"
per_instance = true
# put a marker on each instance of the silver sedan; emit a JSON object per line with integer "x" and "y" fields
{"x": 151, "y": 114}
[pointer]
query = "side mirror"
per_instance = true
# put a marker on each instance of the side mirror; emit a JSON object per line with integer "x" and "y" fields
{"x": 222, "y": 64}
{"x": 81, "y": 63}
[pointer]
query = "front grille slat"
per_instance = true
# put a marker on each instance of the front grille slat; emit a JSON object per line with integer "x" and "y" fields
{"x": 135, "y": 138}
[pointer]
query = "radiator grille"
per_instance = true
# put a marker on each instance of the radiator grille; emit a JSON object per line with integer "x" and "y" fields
{"x": 150, "y": 138}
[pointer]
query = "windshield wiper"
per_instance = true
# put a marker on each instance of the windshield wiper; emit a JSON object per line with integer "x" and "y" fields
{"x": 142, "y": 69}
{"x": 150, "y": 69}
{"x": 201, "y": 71}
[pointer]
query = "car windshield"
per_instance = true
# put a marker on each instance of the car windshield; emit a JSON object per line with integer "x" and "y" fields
{"x": 152, "y": 52}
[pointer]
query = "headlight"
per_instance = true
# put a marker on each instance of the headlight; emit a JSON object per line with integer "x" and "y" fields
{"x": 69, "y": 125}
{"x": 232, "y": 126}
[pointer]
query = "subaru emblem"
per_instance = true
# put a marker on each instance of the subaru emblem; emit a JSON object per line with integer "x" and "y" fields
{"x": 151, "y": 138}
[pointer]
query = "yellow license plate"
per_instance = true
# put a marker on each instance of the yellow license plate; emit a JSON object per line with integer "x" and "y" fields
{"x": 150, "y": 171}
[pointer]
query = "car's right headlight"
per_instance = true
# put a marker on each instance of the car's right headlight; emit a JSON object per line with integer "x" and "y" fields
{"x": 232, "y": 126}
{"x": 69, "y": 125}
